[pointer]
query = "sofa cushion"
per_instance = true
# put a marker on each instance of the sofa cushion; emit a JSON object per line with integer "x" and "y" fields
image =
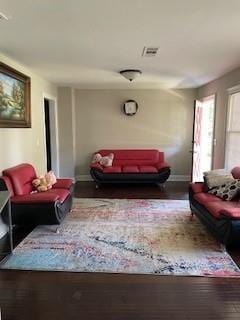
{"x": 218, "y": 209}
{"x": 204, "y": 198}
{"x": 21, "y": 177}
{"x": 114, "y": 169}
{"x": 37, "y": 197}
{"x": 148, "y": 169}
{"x": 216, "y": 178}
{"x": 130, "y": 169}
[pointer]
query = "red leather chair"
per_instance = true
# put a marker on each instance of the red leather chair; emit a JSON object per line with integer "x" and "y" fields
{"x": 29, "y": 207}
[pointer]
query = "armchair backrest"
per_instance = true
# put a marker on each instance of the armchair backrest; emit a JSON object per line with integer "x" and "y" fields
{"x": 21, "y": 177}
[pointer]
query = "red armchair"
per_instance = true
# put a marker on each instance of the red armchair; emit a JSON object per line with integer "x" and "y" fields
{"x": 29, "y": 207}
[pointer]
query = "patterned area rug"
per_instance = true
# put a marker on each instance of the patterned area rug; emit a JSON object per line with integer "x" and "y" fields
{"x": 125, "y": 236}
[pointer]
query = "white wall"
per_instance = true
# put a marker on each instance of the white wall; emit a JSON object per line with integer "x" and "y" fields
{"x": 163, "y": 121}
{"x": 19, "y": 145}
{"x": 219, "y": 87}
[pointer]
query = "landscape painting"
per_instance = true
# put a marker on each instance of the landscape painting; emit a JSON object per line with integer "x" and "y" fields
{"x": 14, "y": 98}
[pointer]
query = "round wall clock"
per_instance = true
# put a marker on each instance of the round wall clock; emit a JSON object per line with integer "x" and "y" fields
{"x": 130, "y": 107}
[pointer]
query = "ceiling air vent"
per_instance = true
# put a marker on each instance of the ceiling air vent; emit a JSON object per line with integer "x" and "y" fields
{"x": 150, "y": 51}
{"x": 3, "y": 17}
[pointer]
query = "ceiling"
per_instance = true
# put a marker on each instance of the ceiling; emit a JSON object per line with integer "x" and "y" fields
{"x": 86, "y": 43}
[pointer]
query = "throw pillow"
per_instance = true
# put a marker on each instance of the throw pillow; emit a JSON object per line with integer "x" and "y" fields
{"x": 219, "y": 172}
{"x": 216, "y": 178}
{"x": 227, "y": 191}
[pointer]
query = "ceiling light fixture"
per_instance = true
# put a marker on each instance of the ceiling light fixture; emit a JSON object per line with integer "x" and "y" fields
{"x": 130, "y": 74}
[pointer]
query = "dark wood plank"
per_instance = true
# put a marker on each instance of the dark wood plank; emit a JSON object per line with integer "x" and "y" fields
{"x": 170, "y": 190}
{"x": 61, "y": 295}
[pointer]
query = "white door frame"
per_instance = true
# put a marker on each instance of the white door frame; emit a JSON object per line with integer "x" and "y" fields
{"x": 53, "y": 115}
{"x": 213, "y": 142}
{"x": 230, "y": 91}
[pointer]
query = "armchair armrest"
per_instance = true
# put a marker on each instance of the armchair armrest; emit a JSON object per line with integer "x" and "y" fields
{"x": 162, "y": 165}
{"x": 96, "y": 166}
{"x": 197, "y": 187}
{"x": 63, "y": 184}
{"x": 38, "y": 197}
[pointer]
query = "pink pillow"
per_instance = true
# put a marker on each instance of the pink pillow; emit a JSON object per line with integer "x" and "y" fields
{"x": 107, "y": 161}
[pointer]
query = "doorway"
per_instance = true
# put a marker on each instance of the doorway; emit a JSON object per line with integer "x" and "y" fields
{"x": 203, "y": 137}
{"x": 47, "y": 134}
{"x": 50, "y": 133}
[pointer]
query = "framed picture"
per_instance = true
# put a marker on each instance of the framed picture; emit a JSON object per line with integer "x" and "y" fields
{"x": 15, "y": 105}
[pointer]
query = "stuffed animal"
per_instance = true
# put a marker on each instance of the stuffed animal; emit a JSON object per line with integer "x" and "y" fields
{"x": 44, "y": 183}
{"x": 41, "y": 184}
{"x": 96, "y": 158}
{"x": 107, "y": 160}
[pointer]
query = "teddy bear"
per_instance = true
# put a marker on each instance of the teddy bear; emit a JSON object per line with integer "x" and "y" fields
{"x": 96, "y": 158}
{"x": 44, "y": 183}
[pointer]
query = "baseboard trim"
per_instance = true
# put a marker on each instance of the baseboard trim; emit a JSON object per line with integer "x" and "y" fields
{"x": 173, "y": 177}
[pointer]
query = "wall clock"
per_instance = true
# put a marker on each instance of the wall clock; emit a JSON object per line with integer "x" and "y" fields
{"x": 130, "y": 107}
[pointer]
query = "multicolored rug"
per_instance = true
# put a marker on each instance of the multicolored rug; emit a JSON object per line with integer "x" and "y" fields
{"x": 125, "y": 236}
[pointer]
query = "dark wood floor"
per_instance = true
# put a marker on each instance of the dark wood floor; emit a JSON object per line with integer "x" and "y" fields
{"x": 170, "y": 190}
{"x": 26, "y": 295}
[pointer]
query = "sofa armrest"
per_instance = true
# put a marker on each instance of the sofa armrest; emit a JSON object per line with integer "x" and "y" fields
{"x": 197, "y": 187}
{"x": 96, "y": 166}
{"x": 37, "y": 197}
{"x": 63, "y": 184}
{"x": 232, "y": 213}
{"x": 162, "y": 165}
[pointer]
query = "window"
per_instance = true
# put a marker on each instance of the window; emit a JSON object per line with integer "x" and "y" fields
{"x": 232, "y": 153}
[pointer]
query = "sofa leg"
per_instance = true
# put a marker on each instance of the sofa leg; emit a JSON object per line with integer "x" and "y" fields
{"x": 161, "y": 186}
{"x": 192, "y": 215}
{"x": 57, "y": 230}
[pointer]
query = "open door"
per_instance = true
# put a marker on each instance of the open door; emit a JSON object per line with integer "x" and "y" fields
{"x": 203, "y": 134}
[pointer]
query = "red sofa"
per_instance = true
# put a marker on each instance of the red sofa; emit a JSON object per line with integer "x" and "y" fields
{"x": 35, "y": 208}
{"x": 132, "y": 166}
{"x": 221, "y": 217}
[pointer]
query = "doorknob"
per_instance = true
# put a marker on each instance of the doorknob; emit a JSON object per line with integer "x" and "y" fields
{"x": 191, "y": 151}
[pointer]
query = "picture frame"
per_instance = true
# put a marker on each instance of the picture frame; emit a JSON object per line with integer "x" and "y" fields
{"x": 15, "y": 98}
